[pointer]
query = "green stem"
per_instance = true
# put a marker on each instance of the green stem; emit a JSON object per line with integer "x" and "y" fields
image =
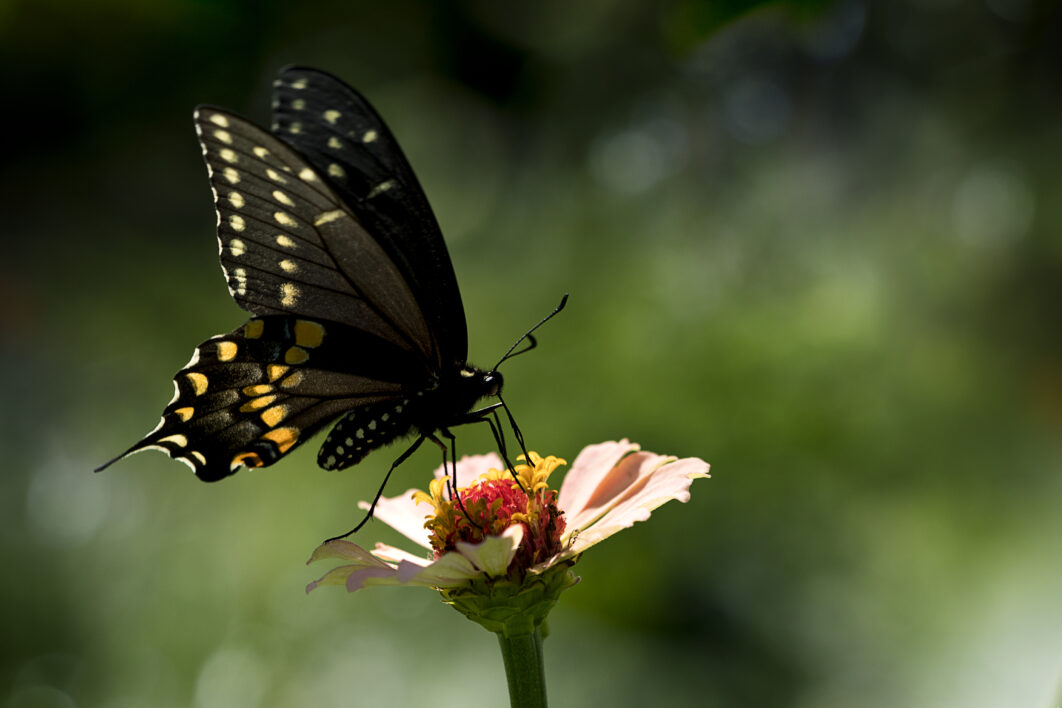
{"x": 524, "y": 669}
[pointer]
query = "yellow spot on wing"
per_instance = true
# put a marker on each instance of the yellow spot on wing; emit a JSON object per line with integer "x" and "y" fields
{"x": 218, "y": 119}
{"x": 336, "y": 171}
{"x": 199, "y": 382}
{"x": 332, "y": 116}
{"x": 185, "y": 414}
{"x": 292, "y": 381}
{"x": 237, "y": 247}
{"x": 298, "y": 104}
{"x": 369, "y": 136}
{"x": 254, "y": 329}
{"x": 307, "y": 175}
{"x": 283, "y": 198}
{"x": 335, "y": 143}
{"x": 237, "y": 223}
{"x": 257, "y": 403}
{"x": 199, "y": 456}
{"x": 283, "y": 437}
{"x": 284, "y": 218}
{"x": 223, "y": 136}
{"x": 248, "y": 459}
{"x": 275, "y": 176}
{"x": 308, "y": 334}
{"x": 288, "y": 266}
{"x": 228, "y": 155}
{"x": 227, "y": 351}
{"x": 275, "y": 371}
{"x": 299, "y": 84}
{"x": 295, "y": 127}
{"x": 272, "y": 416}
{"x": 261, "y": 152}
{"x": 285, "y": 241}
{"x": 236, "y": 200}
{"x": 231, "y": 175}
{"x": 257, "y": 390}
{"x": 295, "y": 355}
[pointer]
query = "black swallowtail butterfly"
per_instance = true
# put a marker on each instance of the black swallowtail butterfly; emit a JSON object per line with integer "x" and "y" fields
{"x": 328, "y": 240}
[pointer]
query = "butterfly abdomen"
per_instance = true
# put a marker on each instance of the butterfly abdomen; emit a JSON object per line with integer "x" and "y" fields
{"x": 445, "y": 402}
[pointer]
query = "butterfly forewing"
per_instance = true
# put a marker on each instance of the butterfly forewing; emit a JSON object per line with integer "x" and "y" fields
{"x": 289, "y": 245}
{"x": 344, "y": 139}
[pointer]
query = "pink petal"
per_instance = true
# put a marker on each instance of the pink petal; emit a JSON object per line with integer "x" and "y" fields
{"x": 640, "y": 483}
{"x": 470, "y": 467}
{"x": 394, "y": 556}
{"x": 403, "y": 515}
{"x": 449, "y": 570}
{"x": 590, "y": 468}
{"x": 365, "y": 565}
{"x": 343, "y": 550}
{"x": 363, "y": 577}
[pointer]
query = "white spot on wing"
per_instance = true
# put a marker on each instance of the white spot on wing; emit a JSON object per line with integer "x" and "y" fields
{"x": 307, "y": 175}
{"x": 380, "y": 188}
{"x": 336, "y": 171}
{"x": 298, "y": 104}
{"x": 275, "y": 176}
{"x": 236, "y": 200}
{"x": 283, "y": 198}
{"x": 237, "y": 247}
{"x": 335, "y": 143}
{"x": 369, "y": 136}
{"x": 231, "y": 175}
{"x": 228, "y": 155}
{"x": 237, "y": 223}
{"x": 327, "y": 216}
{"x": 261, "y": 152}
{"x": 332, "y": 116}
{"x": 285, "y": 241}
{"x": 218, "y": 119}
{"x": 223, "y": 136}
{"x": 289, "y": 293}
{"x": 282, "y": 217}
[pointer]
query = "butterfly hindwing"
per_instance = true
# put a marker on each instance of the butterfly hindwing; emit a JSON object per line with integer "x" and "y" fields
{"x": 340, "y": 134}
{"x": 251, "y": 396}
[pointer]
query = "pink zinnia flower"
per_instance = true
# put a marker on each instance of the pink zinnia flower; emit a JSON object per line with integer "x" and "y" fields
{"x": 508, "y": 533}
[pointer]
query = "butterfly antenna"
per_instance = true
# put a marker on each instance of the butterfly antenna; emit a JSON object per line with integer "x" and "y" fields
{"x": 532, "y": 342}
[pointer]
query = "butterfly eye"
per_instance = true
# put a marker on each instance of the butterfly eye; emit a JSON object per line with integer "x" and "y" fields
{"x": 492, "y": 383}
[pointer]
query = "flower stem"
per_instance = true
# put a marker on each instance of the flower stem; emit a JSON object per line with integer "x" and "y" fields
{"x": 524, "y": 669}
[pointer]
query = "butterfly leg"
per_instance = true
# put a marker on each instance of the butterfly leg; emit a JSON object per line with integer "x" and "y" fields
{"x": 379, "y": 492}
{"x": 489, "y": 415}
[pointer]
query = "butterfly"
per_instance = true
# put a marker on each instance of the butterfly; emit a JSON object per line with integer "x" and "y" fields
{"x": 327, "y": 239}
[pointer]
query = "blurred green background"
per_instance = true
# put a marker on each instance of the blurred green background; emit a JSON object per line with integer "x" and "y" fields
{"x": 816, "y": 244}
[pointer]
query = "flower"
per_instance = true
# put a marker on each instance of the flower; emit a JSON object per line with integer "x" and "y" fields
{"x": 512, "y": 530}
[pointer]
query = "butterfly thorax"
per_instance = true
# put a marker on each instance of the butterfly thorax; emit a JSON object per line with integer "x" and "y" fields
{"x": 453, "y": 396}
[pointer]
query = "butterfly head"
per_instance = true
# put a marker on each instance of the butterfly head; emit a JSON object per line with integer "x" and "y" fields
{"x": 485, "y": 383}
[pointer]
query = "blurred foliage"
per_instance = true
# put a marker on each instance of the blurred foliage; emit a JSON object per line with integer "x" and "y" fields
{"x": 816, "y": 244}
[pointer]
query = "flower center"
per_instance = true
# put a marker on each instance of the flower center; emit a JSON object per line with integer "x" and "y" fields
{"x": 493, "y": 503}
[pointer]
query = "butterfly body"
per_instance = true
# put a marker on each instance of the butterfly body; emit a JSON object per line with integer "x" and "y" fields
{"x": 327, "y": 239}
